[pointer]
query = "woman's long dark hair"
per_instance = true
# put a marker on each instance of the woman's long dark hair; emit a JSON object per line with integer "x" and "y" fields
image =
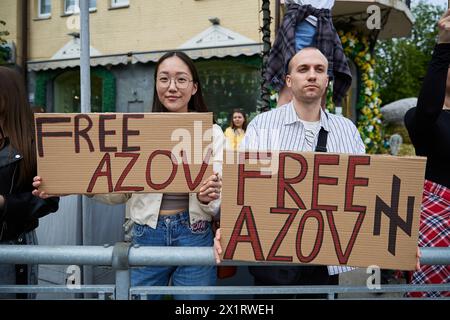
{"x": 196, "y": 103}
{"x": 244, "y": 125}
{"x": 16, "y": 121}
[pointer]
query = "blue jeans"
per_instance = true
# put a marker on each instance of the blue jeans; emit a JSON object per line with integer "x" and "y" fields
{"x": 174, "y": 230}
{"x": 305, "y": 35}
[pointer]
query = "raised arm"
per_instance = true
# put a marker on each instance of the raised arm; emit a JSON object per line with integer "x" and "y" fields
{"x": 432, "y": 95}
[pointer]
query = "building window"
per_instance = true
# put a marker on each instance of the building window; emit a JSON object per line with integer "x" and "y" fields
{"x": 44, "y": 8}
{"x": 119, "y": 3}
{"x": 70, "y": 6}
{"x": 230, "y": 83}
{"x": 73, "y": 6}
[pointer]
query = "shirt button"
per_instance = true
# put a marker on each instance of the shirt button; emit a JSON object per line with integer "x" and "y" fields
{"x": 17, "y": 156}
{"x": 167, "y": 220}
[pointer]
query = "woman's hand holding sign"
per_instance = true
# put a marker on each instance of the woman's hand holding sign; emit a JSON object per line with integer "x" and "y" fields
{"x": 37, "y": 181}
{"x": 210, "y": 189}
{"x": 444, "y": 28}
{"x": 217, "y": 247}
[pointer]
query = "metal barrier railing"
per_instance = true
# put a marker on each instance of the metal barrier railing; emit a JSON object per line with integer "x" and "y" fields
{"x": 122, "y": 257}
{"x": 103, "y": 292}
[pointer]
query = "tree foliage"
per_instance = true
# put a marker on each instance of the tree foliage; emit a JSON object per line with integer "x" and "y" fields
{"x": 402, "y": 63}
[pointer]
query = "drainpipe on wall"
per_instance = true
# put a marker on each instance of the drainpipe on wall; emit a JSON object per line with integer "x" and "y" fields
{"x": 24, "y": 17}
{"x": 85, "y": 65}
{"x": 265, "y": 90}
{"x": 277, "y": 15}
{"x": 85, "y": 90}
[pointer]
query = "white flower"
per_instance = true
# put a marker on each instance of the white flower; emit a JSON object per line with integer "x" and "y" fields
{"x": 368, "y": 92}
{"x": 370, "y": 128}
{"x": 367, "y": 140}
{"x": 274, "y": 97}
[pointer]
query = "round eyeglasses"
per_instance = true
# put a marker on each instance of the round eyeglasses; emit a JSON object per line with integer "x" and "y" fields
{"x": 181, "y": 82}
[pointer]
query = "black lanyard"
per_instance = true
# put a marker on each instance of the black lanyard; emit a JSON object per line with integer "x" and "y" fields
{"x": 322, "y": 141}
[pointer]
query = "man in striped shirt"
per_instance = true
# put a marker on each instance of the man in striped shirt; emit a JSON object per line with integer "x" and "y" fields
{"x": 295, "y": 127}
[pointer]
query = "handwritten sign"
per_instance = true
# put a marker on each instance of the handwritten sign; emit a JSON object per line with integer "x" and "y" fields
{"x": 322, "y": 208}
{"x": 115, "y": 152}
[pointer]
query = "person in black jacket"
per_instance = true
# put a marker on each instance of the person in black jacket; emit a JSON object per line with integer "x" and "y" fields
{"x": 428, "y": 126}
{"x": 19, "y": 209}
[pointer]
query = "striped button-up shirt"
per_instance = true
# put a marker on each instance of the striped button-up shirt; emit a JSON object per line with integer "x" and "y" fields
{"x": 281, "y": 130}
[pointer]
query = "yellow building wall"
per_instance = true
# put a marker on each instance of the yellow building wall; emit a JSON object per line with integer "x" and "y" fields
{"x": 146, "y": 25}
{"x": 11, "y": 12}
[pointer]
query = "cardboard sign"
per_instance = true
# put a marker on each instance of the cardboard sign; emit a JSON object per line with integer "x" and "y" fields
{"x": 323, "y": 208}
{"x": 115, "y": 152}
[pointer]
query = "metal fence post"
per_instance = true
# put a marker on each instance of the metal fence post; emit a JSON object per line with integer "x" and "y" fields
{"x": 122, "y": 269}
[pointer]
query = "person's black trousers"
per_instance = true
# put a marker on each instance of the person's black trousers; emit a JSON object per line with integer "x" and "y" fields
{"x": 298, "y": 275}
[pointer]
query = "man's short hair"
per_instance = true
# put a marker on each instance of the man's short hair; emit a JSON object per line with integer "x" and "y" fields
{"x": 307, "y": 48}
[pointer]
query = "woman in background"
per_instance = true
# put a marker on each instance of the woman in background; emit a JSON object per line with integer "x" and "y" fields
{"x": 236, "y": 131}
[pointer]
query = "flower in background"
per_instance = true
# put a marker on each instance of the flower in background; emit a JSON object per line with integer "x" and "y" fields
{"x": 369, "y": 123}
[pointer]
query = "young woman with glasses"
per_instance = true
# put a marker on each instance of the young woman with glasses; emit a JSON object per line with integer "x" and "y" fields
{"x": 177, "y": 219}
